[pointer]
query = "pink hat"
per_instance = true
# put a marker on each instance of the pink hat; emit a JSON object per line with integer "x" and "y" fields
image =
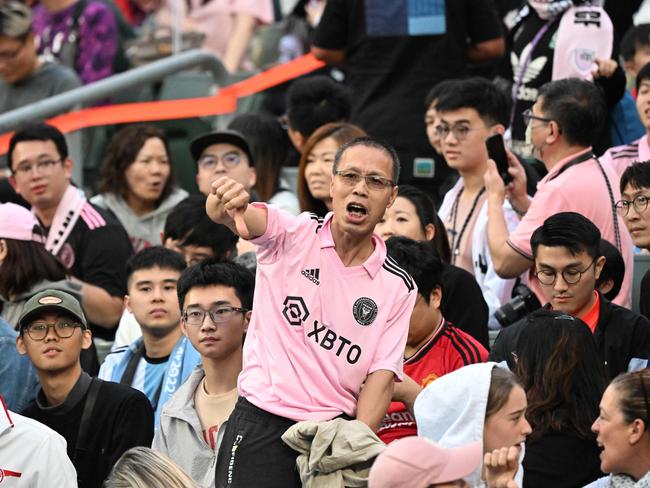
{"x": 415, "y": 462}
{"x": 18, "y": 223}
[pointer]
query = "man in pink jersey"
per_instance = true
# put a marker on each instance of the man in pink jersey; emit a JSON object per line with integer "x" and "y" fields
{"x": 331, "y": 315}
{"x": 561, "y": 127}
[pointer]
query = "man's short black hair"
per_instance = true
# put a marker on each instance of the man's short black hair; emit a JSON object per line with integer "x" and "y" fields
{"x": 436, "y": 92}
{"x": 636, "y": 37}
{"x": 419, "y": 260}
{"x": 315, "y": 101}
{"x": 154, "y": 257}
{"x": 209, "y": 273}
{"x": 491, "y": 104}
{"x": 642, "y": 75}
{"x": 37, "y": 132}
{"x": 373, "y": 142}
{"x": 189, "y": 225}
{"x": 636, "y": 175}
{"x": 577, "y": 106}
{"x": 570, "y": 230}
{"x": 614, "y": 269}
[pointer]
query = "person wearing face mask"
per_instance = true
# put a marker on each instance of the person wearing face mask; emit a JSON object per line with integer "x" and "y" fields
{"x": 622, "y": 432}
{"x": 477, "y": 403}
{"x": 562, "y": 126}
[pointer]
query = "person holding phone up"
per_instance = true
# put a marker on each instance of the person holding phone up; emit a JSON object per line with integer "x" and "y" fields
{"x": 470, "y": 114}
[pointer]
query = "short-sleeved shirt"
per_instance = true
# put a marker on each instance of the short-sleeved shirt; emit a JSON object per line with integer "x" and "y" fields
{"x": 396, "y": 54}
{"x": 447, "y": 350}
{"x": 319, "y": 328}
{"x": 96, "y": 252}
{"x": 580, "y": 188}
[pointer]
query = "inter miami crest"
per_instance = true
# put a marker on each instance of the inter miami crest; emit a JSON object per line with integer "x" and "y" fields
{"x": 364, "y": 311}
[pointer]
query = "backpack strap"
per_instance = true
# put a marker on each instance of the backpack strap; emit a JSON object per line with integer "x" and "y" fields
{"x": 84, "y": 427}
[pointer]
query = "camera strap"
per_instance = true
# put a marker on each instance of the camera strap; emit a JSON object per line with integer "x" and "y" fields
{"x": 586, "y": 157}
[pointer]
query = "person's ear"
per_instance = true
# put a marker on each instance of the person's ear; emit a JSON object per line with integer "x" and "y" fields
{"x": 435, "y": 298}
{"x": 127, "y": 303}
{"x": 630, "y": 68}
{"x": 606, "y": 286}
{"x": 67, "y": 167}
{"x": 393, "y": 196}
{"x": 20, "y": 345}
{"x": 296, "y": 138}
{"x": 554, "y": 132}
{"x": 497, "y": 129}
{"x": 429, "y": 232}
{"x": 247, "y": 320}
{"x": 183, "y": 327}
{"x": 3, "y": 250}
{"x": 86, "y": 339}
{"x": 637, "y": 430}
{"x": 598, "y": 266}
{"x": 252, "y": 178}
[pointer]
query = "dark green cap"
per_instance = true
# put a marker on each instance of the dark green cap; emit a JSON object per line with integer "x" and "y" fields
{"x": 52, "y": 301}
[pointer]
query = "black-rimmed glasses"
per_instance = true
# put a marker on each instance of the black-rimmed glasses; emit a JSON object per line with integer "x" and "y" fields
{"x": 639, "y": 202}
{"x": 37, "y": 331}
{"x": 528, "y": 115}
{"x": 218, "y": 315}
{"x": 570, "y": 276}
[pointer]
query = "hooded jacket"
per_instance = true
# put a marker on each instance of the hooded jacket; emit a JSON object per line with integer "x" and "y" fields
{"x": 180, "y": 435}
{"x": 144, "y": 231}
{"x": 451, "y": 411}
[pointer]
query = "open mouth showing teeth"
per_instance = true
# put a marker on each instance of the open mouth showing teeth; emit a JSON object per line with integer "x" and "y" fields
{"x": 355, "y": 209}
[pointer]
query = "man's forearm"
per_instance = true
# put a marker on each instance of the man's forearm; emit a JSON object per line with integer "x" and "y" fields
{"x": 243, "y": 31}
{"x": 375, "y": 397}
{"x": 100, "y": 307}
{"x": 506, "y": 261}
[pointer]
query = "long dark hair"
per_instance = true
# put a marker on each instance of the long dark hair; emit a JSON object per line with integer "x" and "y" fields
{"x": 426, "y": 211}
{"x": 562, "y": 373}
{"x": 341, "y": 132}
{"x": 269, "y": 143}
{"x": 122, "y": 152}
{"x": 26, "y": 264}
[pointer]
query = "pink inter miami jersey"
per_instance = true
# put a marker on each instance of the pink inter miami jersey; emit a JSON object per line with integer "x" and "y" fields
{"x": 319, "y": 328}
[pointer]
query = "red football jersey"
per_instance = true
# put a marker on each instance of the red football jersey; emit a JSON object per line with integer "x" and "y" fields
{"x": 448, "y": 350}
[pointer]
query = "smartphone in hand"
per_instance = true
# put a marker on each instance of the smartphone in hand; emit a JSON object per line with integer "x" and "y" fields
{"x": 497, "y": 151}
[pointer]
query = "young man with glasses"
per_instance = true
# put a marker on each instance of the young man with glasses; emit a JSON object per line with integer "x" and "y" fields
{"x": 470, "y": 113}
{"x": 633, "y": 206}
{"x": 99, "y": 420}
{"x": 88, "y": 240}
{"x": 567, "y": 265}
{"x": 561, "y": 128}
{"x": 223, "y": 153}
{"x": 158, "y": 362}
{"x": 216, "y": 301}
{"x": 24, "y": 77}
{"x": 331, "y": 313}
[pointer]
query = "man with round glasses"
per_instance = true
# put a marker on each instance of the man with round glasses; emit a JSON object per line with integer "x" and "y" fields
{"x": 566, "y": 249}
{"x": 98, "y": 419}
{"x": 633, "y": 206}
{"x": 216, "y": 301}
{"x": 331, "y": 313}
{"x": 223, "y": 153}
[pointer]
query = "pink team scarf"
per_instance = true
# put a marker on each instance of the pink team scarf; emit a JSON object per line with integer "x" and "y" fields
{"x": 584, "y": 34}
{"x": 66, "y": 216}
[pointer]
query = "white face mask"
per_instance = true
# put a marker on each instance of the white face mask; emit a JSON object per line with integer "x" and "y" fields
{"x": 535, "y": 151}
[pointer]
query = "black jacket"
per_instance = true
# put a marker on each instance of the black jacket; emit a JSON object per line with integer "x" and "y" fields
{"x": 621, "y": 336}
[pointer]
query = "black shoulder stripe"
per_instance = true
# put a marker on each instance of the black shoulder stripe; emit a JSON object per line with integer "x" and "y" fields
{"x": 461, "y": 351}
{"x": 468, "y": 345}
{"x": 396, "y": 270}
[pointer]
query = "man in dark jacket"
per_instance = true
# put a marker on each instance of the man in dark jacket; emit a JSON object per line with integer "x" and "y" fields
{"x": 567, "y": 265}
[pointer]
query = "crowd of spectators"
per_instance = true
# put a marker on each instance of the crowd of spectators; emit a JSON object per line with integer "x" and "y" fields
{"x": 416, "y": 309}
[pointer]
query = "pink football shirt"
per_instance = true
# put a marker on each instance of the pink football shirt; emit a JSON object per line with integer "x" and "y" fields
{"x": 319, "y": 328}
{"x": 581, "y": 189}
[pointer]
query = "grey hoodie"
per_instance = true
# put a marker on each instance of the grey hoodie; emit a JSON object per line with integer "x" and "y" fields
{"x": 451, "y": 411}
{"x": 11, "y": 309}
{"x": 143, "y": 231}
{"x": 180, "y": 435}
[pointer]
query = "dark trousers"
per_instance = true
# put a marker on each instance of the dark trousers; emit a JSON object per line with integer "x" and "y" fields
{"x": 252, "y": 454}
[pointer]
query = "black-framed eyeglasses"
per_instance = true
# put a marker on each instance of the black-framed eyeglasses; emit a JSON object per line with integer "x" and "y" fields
{"x": 373, "y": 182}
{"x": 37, "y": 331}
{"x": 209, "y": 162}
{"x": 43, "y": 166}
{"x": 528, "y": 115}
{"x": 459, "y": 130}
{"x": 570, "y": 276}
{"x": 218, "y": 315}
{"x": 640, "y": 203}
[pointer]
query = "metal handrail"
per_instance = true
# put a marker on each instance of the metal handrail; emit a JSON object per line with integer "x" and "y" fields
{"x": 151, "y": 72}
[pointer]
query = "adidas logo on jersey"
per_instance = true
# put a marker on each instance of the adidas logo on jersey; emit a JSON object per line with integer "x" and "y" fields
{"x": 312, "y": 275}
